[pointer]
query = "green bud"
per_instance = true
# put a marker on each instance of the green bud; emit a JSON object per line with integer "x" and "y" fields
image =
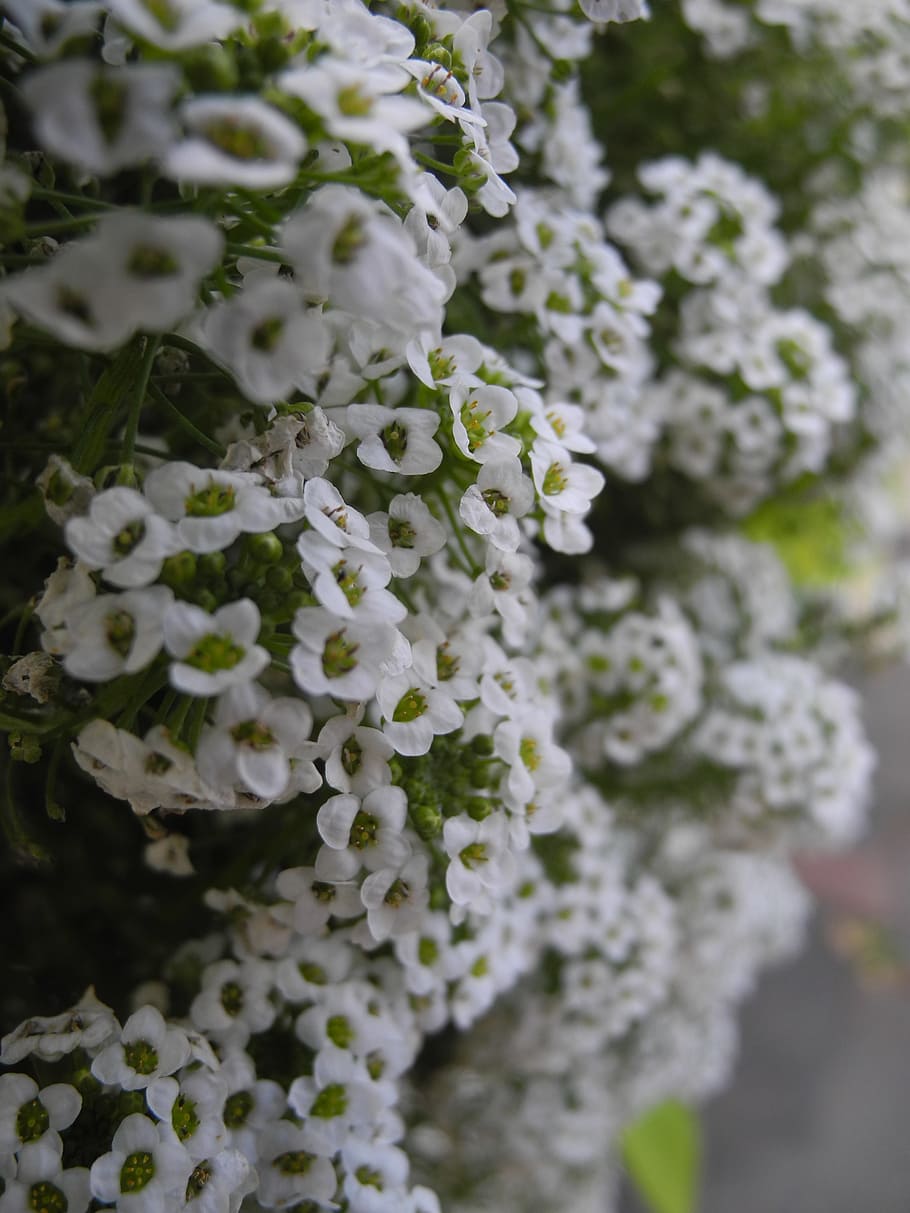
{"x": 211, "y": 565}
{"x": 266, "y": 548}
{"x": 422, "y": 30}
{"x": 24, "y": 747}
{"x": 479, "y": 807}
{"x": 279, "y": 578}
{"x": 179, "y": 570}
{"x": 210, "y": 69}
{"x": 562, "y": 70}
{"x": 439, "y": 898}
{"x": 207, "y": 600}
{"x": 427, "y": 820}
{"x": 437, "y": 53}
{"x": 482, "y": 745}
{"x": 480, "y": 773}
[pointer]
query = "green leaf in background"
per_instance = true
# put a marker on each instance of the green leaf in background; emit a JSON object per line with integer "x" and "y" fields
{"x": 662, "y": 1154}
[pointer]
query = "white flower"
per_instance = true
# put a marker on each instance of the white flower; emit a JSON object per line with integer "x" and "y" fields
{"x": 614, "y": 10}
{"x": 362, "y": 834}
{"x": 238, "y": 141}
{"x": 42, "y": 1183}
{"x": 212, "y": 508}
{"x": 88, "y": 1025}
{"x": 328, "y": 513}
{"x": 479, "y": 412}
{"x": 564, "y": 487}
{"x": 117, "y": 633}
{"x": 28, "y": 1115}
{"x": 339, "y": 657}
{"x": 260, "y": 742}
{"x": 504, "y": 587}
{"x": 407, "y": 533}
{"x": 535, "y": 763}
{"x": 176, "y": 25}
{"x": 395, "y": 440}
{"x": 122, "y": 536}
{"x": 143, "y": 1173}
{"x": 220, "y": 1183}
{"x": 266, "y": 338}
{"x": 415, "y": 709}
{"x": 396, "y": 898}
{"x": 479, "y": 858}
{"x": 293, "y": 1168}
{"x": 47, "y": 25}
{"x": 102, "y": 119}
{"x": 350, "y": 582}
{"x": 297, "y": 445}
{"x": 376, "y": 1177}
{"x": 147, "y": 1049}
{"x": 214, "y": 652}
{"x": 316, "y": 901}
{"x": 336, "y": 1099}
{"x": 492, "y": 505}
{"x": 234, "y": 1000}
{"x": 190, "y": 1111}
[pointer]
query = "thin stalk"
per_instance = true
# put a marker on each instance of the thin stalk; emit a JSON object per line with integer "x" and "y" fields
{"x": 141, "y": 390}
{"x": 215, "y": 448}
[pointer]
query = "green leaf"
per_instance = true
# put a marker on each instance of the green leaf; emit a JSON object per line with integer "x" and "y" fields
{"x": 662, "y": 1154}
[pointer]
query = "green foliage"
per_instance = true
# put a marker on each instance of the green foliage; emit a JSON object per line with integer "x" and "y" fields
{"x": 662, "y": 1155}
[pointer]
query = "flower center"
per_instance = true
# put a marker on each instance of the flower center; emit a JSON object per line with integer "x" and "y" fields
{"x": 401, "y": 533}
{"x": 184, "y": 1120}
{"x": 353, "y": 103}
{"x": 351, "y": 755}
{"x": 348, "y": 582}
{"x": 398, "y": 894}
{"x": 474, "y": 424}
{"x": 412, "y": 704}
{"x": 126, "y": 539}
{"x": 364, "y": 829}
{"x": 141, "y": 1057}
{"x": 349, "y": 240}
{"x": 446, "y": 664}
{"x": 294, "y": 1162}
{"x": 529, "y": 753}
{"x": 266, "y": 335}
{"x": 555, "y": 480}
{"x": 253, "y": 735}
{"x": 44, "y": 1197}
{"x": 313, "y": 973}
{"x": 339, "y": 1031}
{"x": 210, "y": 502}
{"x": 120, "y": 630}
{"x": 137, "y": 1172}
{"x": 338, "y": 656}
{"x": 369, "y": 1178}
{"x": 239, "y": 139}
{"x": 331, "y": 1101}
{"x": 427, "y": 950}
{"x": 473, "y": 853}
{"x": 215, "y": 652}
{"x": 199, "y": 1177}
{"x": 497, "y": 503}
{"x": 76, "y": 305}
{"x": 237, "y": 1108}
{"x": 147, "y": 261}
{"x": 109, "y": 96}
{"x": 32, "y": 1121}
{"x": 395, "y": 440}
{"x": 232, "y": 998}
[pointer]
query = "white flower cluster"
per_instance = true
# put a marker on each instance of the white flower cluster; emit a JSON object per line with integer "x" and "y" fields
{"x": 341, "y": 381}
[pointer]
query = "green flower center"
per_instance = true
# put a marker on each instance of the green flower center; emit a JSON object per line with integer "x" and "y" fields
{"x": 348, "y": 582}
{"x": 339, "y": 1031}
{"x": 375, "y": 1066}
{"x": 411, "y": 705}
{"x": 500, "y": 581}
{"x": 480, "y": 967}
{"x": 232, "y": 998}
{"x": 331, "y": 1101}
{"x": 395, "y": 440}
{"x": 120, "y": 630}
{"x": 398, "y": 894}
{"x": 555, "y": 480}
{"x": 353, "y": 103}
{"x": 517, "y": 280}
{"x": 141, "y": 1057}
{"x": 368, "y": 1178}
{"x": 294, "y": 1162}
{"x": 441, "y": 367}
{"x": 313, "y": 973}
{"x": 427, "y": 950}
{"x": 157, "y": 764}
{"x": 474, "y": 423}
{"x": 447, "y": 664}
{"x": 323, "y": 891}
{"x": 237, "y": 1108}
{"x": 184, "y": 1120}
{"x": 109, "y": 96}
{"x": 239, "y": 139}
{"x": 146, "y": 261}
{"x": 199, "y": 1177}
{"x": 339, "y": 655}
{"x": 529, "y": 753}
{"x": 497, "y": 503}
{"x": 401, "y": 533}
{"x": 557, "y": 423}
{"x": 363, "y": 830}
{"x": 349, "y": 241}
{"x": 75, "y": 304}
{"x": 44, "y": 1197}
{"x": 473, "y": 853}
{"x": 137, "y": 1172}
{"x": 253, "y": 735}
{"x": 215, "y": 652}
{"x": 266, "y": 335}
{"x": 125, "y": 540}
{"x": 215, "y": 499}
{"x": 351, "y": 755}
{"x": 32, "y": 1121}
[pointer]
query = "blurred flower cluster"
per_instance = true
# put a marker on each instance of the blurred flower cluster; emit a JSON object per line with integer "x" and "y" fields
{"x": 390, "y": 639}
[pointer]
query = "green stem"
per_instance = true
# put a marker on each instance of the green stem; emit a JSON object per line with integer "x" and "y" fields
{"x": 50, "y": 227}
{"x": 51, "y": 195}
{"x": 196, "y": 722}
{"x": 429, "y": 162}
{"x": 29, "y": 852}
{"x": 215, "y": 448}
{"x": 17, "y": 48}
{"x": 459, "y": 536}
{"x": 141, "y": 390}
{"x": 253, "y": 250}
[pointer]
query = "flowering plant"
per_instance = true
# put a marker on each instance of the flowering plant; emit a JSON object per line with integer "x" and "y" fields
{"x": 422, "y": 737}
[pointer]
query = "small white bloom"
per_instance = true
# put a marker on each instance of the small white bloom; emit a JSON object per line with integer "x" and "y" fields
{"x": 176, "y": 25}
{"x": 143, "y": 1172}
{"x": 415, "y": 709}
{"x": 395, "y": 440}
{"x": 239, "y": 141}
{"x": 41, "y": 1183}
{"x": 479, "y": 412}
{"x": 29, "y": 1115}
{"x": 479, "y": 858}
{"x": 564, "y": 487}
{"x": 500, "y": 496}
{"x": 396, "y": 899}
{"x": 117, "y": 634}
{"x": 362, "y": 834}
{"x": 293, "y": 1168}
{"x": 214, "y": 652}
{"x": 147, "y": 1049}
{"x": 407, "y": 533}
{"x": 339, "y": 657}
{"x": 122, "y": 536}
